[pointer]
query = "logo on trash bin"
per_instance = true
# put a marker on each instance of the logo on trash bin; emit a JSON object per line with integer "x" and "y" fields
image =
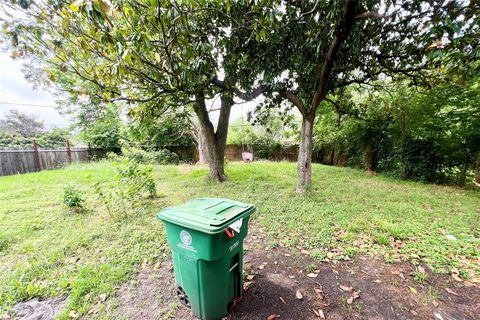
{"x": 185, "y": 237}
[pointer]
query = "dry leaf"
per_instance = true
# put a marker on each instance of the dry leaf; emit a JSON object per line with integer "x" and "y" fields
{"x": 456, "y": 278}
{"x": 157, "y": 57}
{"x": 275, "y": 262}
{"x": 452, "y": 292}
{"x": 435, "y": 303}
{"x": 303, "y": 251}
{"x": 335, "y": 271}
{"x": 455, "y": 271}
{"x": 287, "y": 255}
{"x": 330, "y": 255}
{"x": 345, "y": 288}
{"x": 299, "y": 295}
{"x": 261, "y": 267}
{"x": 291, "y": 277}
{"x": 412, "y": 289}
{"x": 273, "y": 316}
{"x": 321, "y": 314}
{"x": 378, "y": 281}
{"x": 73, "y": 314}
{"x": 312, "y": 275}
{"x": 350, "y": 300}
{"x": 156, "y": 266}
{"x": 415, "y": 313}
{"x": 319, "y": 293}
{"x": 421, "y": 269}
{"x": 103, "y": 297}
{"x": 316, "y": 313}
{"x": 468, "y": 284}
{"x": 250, "y": 277}
{"x": 281, "y": 299}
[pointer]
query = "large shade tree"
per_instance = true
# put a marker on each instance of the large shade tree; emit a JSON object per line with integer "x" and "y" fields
{"x": 151, "y": 55}
{"x": 310, "y": 49}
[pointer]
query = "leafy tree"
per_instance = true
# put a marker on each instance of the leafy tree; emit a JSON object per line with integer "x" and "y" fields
{"x": 153, "y": 55}
{"x": 21, "y": 123}
{"x": 311, "y": 49}
{"x": 105, "y": 131}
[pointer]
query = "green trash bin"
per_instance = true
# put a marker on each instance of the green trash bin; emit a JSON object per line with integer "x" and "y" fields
{"x": 206, "y": 238}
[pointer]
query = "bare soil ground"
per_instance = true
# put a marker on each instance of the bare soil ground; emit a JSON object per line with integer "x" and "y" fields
{"x": 364, "y": 288}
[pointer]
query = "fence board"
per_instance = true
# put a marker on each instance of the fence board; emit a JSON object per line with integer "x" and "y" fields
{"x": 23, "y": 161}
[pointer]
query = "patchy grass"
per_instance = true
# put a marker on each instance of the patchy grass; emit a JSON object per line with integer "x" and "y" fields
{"x": 47, "y": 250}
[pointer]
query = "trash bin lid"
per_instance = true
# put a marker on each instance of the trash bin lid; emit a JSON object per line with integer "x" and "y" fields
{"x": 209, "y": 215}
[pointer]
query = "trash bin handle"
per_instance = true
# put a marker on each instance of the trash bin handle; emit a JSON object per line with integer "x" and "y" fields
{"x": 230, "y": 233}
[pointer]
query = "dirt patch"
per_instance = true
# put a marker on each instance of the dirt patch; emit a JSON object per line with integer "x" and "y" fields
{"x": 364, "y": 288}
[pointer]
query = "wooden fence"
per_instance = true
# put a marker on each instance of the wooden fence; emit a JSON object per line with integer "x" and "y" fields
{"x": 36, "y": 159}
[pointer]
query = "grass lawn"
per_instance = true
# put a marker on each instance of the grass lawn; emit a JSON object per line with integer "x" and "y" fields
{"x": 46, "y": 250}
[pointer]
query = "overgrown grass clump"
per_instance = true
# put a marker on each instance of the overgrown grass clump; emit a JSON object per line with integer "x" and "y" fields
{"x": 47, "y": 250}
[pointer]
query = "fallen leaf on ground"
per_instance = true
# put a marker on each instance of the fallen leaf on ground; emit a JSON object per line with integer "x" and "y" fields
{"x": 261, "y": 267}
{"x": 299, "y": 295}
{"x": 378, "y": 281}
{"x": 321, "y": 314}
{"x": 412, "y": 289}
{"x": 330, "y": 255}
{"x": 250, "y": 277}
{"x": 273, "y": 316}
{"x": 451, "y": 291}
{"x": 303, "y": 251}
{"x": 319, "y": 293}
{"x": 335, "y": 271}
{"x": 345, "y": 288}
{"x": 145, "y": 264}
{"x": 281, "y": 299}
{"x": 287, "y": 255}
{"x": 291, "y": 277}
{"x": 312, "y": 275}
{"x": 156, "y": 266}
{"x": 355, "y": 295}
{"x": 415, "y": 313}
{"x": 435, "y": 303}
{"x": 275, "y": 262}
{"x": 73, "y": 314}
{"x": 468, "y": 284}
{"x": 421, "y": 269}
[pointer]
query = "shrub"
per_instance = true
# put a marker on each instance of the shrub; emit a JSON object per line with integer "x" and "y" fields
{"x": 73, "y": 198}
{"x": 162, "y": 156}
{"x": 130, "y": 186}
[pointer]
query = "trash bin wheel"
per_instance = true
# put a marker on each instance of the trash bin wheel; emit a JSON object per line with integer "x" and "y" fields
{"x": 182, "y": 296}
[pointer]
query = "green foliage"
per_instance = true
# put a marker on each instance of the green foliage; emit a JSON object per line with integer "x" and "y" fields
{"x": 162, "y": 156}
{"x": 421, "y": 133}
{"x": 154, "y": 132}
{"x": 265, "y": 136}
{"x": 105, "y": 131}
{"x": 50, "y": 139}
{"x": 73, "y": 197}
{"x": 131, "y": 183}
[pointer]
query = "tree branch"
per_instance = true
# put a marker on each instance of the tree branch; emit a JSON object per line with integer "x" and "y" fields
{"x": 344, "y": 28}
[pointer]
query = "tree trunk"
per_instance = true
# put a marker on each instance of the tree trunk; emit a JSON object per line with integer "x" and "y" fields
{"x": 477, "y": 169}
{"x": 304, "y": 163}
{"x": 369, "y": 159}
{"x": 201, "y": 142}
{"x": 214, "y": 142}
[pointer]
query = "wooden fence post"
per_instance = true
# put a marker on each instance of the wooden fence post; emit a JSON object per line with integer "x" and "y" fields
{"x": 69, "y": 152}
{"x": 89, "y": 152}
{"x": 36, "y": 157}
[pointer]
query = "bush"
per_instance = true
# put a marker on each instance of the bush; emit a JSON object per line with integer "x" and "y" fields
{"x": 130, "y": 186}
{"x": 162, "y": 156}
{"x": 73, "y": 198}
